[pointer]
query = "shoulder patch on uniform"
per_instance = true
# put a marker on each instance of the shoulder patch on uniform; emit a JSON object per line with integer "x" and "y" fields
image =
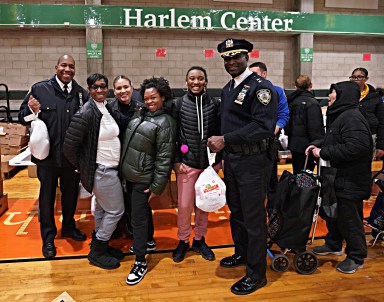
{"x": 264, "y": 96}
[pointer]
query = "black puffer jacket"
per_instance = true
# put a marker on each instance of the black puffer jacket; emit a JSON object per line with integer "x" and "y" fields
{"x": 148, "y": 149}
{"x": 305, "y": 120}
{"x": 372, "y": 107}
{"x": 80, "y": 144}
{"x": 57, "y": 110}
{"x": 197, "y": 119}
{"x": 348, "y": 144}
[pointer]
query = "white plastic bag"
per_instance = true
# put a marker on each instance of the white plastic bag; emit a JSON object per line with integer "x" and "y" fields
{"x": 210, "y": 188}
{"x": 83, "y": 193}
{"x": 283, "y": 140}
{"x": 39, "y": 139}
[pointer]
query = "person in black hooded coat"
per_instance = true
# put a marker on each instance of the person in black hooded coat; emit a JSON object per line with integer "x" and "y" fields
{"x": 348, "y": 146}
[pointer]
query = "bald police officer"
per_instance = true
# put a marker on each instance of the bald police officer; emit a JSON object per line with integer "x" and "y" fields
{"x": 248, "y": 119}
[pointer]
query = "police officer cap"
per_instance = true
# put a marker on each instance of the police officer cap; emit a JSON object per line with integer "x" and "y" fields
{"x": 232, "y": 47}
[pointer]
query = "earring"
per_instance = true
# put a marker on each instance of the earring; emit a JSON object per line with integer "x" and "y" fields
{"x": 185, "y": 89}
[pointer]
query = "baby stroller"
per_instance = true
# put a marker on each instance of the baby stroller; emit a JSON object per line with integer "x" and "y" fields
{"x": 375, "y": 221}
{"x": 297, "y": 206}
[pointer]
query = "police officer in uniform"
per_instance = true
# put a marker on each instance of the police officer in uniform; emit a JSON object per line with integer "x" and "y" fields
{"x": 248, "y": 118}
{"x": 56, "y": 100}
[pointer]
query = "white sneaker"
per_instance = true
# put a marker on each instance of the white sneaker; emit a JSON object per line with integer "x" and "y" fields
{"x": 137, "y": 273}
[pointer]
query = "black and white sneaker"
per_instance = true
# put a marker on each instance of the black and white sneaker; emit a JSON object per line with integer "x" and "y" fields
{"x": 137, "y": 273}
{"x": 151, "y": 247}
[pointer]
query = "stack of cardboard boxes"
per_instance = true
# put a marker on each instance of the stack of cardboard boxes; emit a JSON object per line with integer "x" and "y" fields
{"x": 13, "y": 140}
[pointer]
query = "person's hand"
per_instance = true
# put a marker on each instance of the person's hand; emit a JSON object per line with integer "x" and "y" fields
{"x": 379, "y": 153}
{"x": 277, "y": 129}
{"x": 34, "y": 104}
{"x": 316, "y": 152}
{"x": 309, "y": 149}
{"x": 179, "y": 168}
{"x": 216, "y": 143}
{"x": 153, "y": 195}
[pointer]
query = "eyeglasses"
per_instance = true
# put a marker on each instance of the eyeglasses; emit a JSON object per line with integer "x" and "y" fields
{"x": 354, "y": 78}
{"x": 102, "y": 86}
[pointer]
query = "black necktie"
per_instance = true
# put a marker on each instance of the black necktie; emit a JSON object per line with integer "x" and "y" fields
{"x": 232, "y": 84}
{"x": 66, "y": 89}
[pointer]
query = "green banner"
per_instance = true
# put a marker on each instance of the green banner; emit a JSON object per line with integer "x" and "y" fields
{"x": 86, "y": 16}
{"x": 306, "y": 54}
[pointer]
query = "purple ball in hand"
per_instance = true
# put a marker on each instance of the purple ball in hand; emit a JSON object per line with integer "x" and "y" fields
{"x": 184, "y": 149}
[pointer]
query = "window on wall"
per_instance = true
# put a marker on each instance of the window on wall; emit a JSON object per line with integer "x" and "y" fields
{"x": 366, "y": 4}
{"x": 247, "y": 1}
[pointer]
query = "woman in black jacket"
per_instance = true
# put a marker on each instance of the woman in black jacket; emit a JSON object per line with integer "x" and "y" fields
{"x": 92, "y": 145}
{"x": 372, "y": 107}
{"x": 348, "y": 146}
{"x": 197, "y": 116}
{"x": 305, "y": 123}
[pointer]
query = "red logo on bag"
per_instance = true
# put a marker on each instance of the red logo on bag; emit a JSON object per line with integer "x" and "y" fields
{"x": 208, "y": 188}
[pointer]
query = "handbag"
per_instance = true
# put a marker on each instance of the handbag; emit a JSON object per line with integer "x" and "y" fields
{"x": 39, "y": 138}
{"x": 210, "y": 188}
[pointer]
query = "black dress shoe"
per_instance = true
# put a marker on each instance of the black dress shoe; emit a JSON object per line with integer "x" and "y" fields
{"x": 75, "y": 234}
{"x": 247, "y": 285}
{"x": 232, "y": 261}
{"x": 49, "y": 250}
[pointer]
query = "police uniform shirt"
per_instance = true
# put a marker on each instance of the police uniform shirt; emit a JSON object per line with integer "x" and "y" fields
{"x": 248, "y": 111}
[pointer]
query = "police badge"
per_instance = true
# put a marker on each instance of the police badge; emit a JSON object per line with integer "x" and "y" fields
{"x": 264, "y": 96}
{"x": 240, "y": 98}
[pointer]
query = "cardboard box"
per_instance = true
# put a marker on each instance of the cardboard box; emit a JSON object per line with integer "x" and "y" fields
{"x": 12, "y": 150}
{"x": 3, "y": 204}
{"x": 5, "y": 167}
{"x": 13, "y": 139}
{"x": 17, "y": 129}
{"x": 12, "y": 128}
{"x": 32, "y": 171}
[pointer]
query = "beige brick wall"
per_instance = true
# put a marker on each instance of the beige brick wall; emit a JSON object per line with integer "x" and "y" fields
{"x": 133, "y": 53}
{"x": 30, "y": 56}
{"x": 335, "y": 57}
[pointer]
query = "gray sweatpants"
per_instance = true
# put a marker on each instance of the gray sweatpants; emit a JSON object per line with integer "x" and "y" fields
{"x": 109, "y": 201}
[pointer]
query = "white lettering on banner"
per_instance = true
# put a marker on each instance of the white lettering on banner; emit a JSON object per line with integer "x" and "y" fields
{"x": 254, "y": 23}
{"x": 128, "y": 17}
{"x": 228, "y": 21}
{"x": 201, "y": 19}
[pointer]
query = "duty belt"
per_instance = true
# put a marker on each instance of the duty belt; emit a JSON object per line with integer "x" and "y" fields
{"x": 249, "y": 149}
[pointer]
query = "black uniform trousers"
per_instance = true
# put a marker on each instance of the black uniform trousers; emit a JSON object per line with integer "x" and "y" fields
{"x": 69, "y": 187}
{"x": 349, "y": 226}
{"x": 246, "y": 178}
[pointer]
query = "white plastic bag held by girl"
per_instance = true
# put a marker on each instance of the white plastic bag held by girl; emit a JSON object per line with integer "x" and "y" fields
{"x": 210, "y": 189}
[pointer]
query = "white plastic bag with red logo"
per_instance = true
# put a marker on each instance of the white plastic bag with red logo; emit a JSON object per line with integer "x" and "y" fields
{"x": 210, "y": 188}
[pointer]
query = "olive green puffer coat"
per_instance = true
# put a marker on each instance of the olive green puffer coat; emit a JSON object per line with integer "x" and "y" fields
{"x": 148, "y": 149}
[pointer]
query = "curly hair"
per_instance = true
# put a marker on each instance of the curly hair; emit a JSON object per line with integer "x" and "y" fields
{"x": 161, "y": 84}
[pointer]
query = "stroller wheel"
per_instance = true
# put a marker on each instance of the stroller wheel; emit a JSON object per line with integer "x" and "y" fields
{"x": 305, "y": 262}
{"x": 280, "y": 263}
{"x": 375, "y": 233}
